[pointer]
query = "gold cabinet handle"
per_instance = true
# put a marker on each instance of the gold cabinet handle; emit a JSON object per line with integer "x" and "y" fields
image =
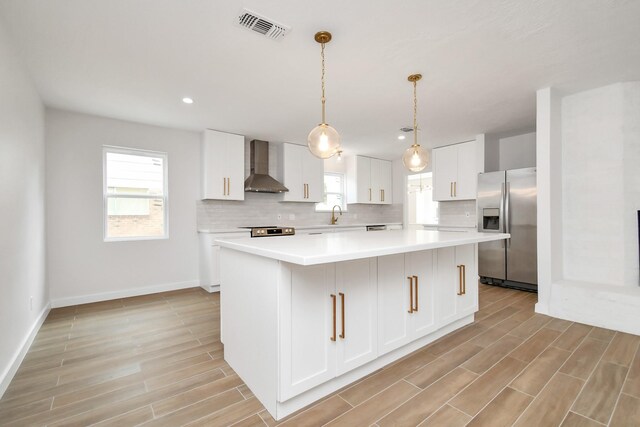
{"x": 333, "y": 298}
{"x": 451, "y": 189}
{"x": 307, "y": 190}
{"x": 342, "y": 335}
{"x": 224, "y": 186}
{"x": 415, "y": 297}
{"x": 228, "y": 186}
{"x": 369, "y": 194}
{"x": 464, "y": 279}
{"x": 461, "y": 285}
{"x": 410, "y": 278}
{"x": 455, "y": 188}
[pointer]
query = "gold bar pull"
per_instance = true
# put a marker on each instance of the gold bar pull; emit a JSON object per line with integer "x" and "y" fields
{"x": 342, "y": 335}
{"x": 455, "y": 188}
{"x": 464, "y": 279}
{"x": 228, "y": 186}
{"x": 451, "y": 189}
{"x": 307, "y": 190}
{"x": 333, "y": 298}
{"x": 224, "y": 186}
{"x": 410, "y": 294}
{"x": 416, "y": 292}
{"x": 461, "y": 288}
{"x": 369, "y": 194}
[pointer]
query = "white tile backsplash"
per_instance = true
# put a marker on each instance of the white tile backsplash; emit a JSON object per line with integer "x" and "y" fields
{"x": 264, "y": 208}
{"x": 461, "y": 213}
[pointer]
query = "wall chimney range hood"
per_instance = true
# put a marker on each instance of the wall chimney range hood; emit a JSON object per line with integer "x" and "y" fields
{"x": 259, "y": 180}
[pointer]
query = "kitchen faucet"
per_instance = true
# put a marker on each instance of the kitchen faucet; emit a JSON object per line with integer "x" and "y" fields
{"x": 334, "y": 218}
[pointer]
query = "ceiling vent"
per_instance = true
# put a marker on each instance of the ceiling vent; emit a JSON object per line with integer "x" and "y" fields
{"x": 264, "y": 26}
{"x": 406, "y": 129}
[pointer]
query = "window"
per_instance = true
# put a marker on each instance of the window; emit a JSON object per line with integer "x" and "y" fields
{"x": 135, "y": 194}
{"x": 421, "y": 207}
{"x": 334, "y": 192}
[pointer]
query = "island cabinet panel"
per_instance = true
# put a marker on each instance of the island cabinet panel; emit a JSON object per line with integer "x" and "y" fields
{"x": 308, "y": 356}
{"x": 356, "y": 283}
{"x": 406, "y": 299}
{"x": 328, "y": 324}
{"x": 458, "y": 282}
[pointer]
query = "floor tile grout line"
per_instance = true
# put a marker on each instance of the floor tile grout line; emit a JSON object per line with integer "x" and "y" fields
{"x": 615, "y": 406}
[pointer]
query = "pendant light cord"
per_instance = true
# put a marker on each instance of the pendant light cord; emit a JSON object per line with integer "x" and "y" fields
{"x": 415, "y": 114}
{"x": 322, "y": 79}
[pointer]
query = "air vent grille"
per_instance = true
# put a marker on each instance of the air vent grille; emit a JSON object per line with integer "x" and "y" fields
{"x": 262, "y": 25}
{"x": 406, "y": 129}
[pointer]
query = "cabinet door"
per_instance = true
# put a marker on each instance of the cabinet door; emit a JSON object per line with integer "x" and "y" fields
{"x": 423, "y": 318}
{"x": 222, "y": 166}
{"x": 292, "y": 172}
{"x": 447, "y": 285}
{"x": 363, "y": 180}
{"x": 467, "y": 180}
{"x": 386, "y": 182}
{"x": 234, "y": 165}
{"x": 308, "y": 355}
{"x": 313, "y": 176}
{"x": 356, "y": 284}
{"x": 445, "y": 170}
{"x": 393, "y": 303}
{"x": 466, "y": 303}
{"x": 213, "y": 152}
{"x": 376, "y": 172}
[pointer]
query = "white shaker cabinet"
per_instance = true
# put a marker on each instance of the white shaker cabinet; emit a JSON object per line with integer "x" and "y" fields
{"x": 457, "y": 274}
{"x": 369, "y": 180}
{"x": 455, "y": 174}
{"x": 222, "y": 166}
{"x": 406, "y": 299}
{"x": 329, "y": 327}
{"x": 302, "y": 173}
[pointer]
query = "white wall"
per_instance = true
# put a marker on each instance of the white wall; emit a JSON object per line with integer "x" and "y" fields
{"x": 517, "y": 151}
{"x": 81, "y": 266}
{"x": 588, "y": 198}
{"x": 22, "y": 212}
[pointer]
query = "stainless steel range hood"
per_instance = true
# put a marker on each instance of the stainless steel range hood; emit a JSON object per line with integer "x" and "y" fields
{"x": 259, "y": 180}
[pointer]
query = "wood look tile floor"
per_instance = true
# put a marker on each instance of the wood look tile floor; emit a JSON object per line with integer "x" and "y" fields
{"x": 157, "y": 360}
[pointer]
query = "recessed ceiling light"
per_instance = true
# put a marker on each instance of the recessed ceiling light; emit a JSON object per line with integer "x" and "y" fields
{"x": 401, "y": 137}
{"x": 187, "y": 100}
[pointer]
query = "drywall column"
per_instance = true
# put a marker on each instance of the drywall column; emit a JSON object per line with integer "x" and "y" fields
{"x": 24, "y": 299}
{"x": 549, "y": 182}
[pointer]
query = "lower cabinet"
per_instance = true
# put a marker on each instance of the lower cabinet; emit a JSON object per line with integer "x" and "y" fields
{"x": 337, "y": 317}
{"x": 457, "y": 274}
{"x": 331, "y": 326}
{"x": 406, "y": 299}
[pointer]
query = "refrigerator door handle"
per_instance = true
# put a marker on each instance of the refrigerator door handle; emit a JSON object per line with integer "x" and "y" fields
{"x": 502, "y": 228}
{"x": 507, "y": 217}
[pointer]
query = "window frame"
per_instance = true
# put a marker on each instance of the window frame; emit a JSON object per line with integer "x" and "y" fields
{"x": 324, "y": 193}
{"x": 105, "y": 194}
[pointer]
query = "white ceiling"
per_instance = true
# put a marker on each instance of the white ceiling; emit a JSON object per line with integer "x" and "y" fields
{"x": 482, "y": 61}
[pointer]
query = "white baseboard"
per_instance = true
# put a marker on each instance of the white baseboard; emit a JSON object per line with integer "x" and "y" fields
{"x": 10, "y": 371}
{"x": 106, "y": 296}
{"x": 211, "y": 288}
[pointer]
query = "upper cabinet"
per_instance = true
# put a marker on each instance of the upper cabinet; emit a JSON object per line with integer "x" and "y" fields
{"x": 222, "y": 166}
{"x": 369, "y": 181}
{"x": 455, "y": 174}
{"x": 302, "y": 173}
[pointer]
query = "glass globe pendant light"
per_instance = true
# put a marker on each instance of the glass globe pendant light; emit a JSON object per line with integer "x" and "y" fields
{"x": 323, "y": 140}
{"x": 415, "y": 158}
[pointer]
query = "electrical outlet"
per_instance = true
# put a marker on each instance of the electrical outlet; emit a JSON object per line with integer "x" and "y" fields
{"x": 292, "y": 217}
{"x": 467, "y": 214}
{"x": 279, "y": 216}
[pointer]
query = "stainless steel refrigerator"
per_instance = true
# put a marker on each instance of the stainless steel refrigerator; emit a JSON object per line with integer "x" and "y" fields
{"x": 507, "y": 204}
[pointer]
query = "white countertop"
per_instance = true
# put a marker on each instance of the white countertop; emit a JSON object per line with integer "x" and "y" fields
{"x": 335, "y": 247}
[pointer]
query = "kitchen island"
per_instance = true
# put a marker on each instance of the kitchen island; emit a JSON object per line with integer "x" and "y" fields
{"x": 303, "y": 316}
